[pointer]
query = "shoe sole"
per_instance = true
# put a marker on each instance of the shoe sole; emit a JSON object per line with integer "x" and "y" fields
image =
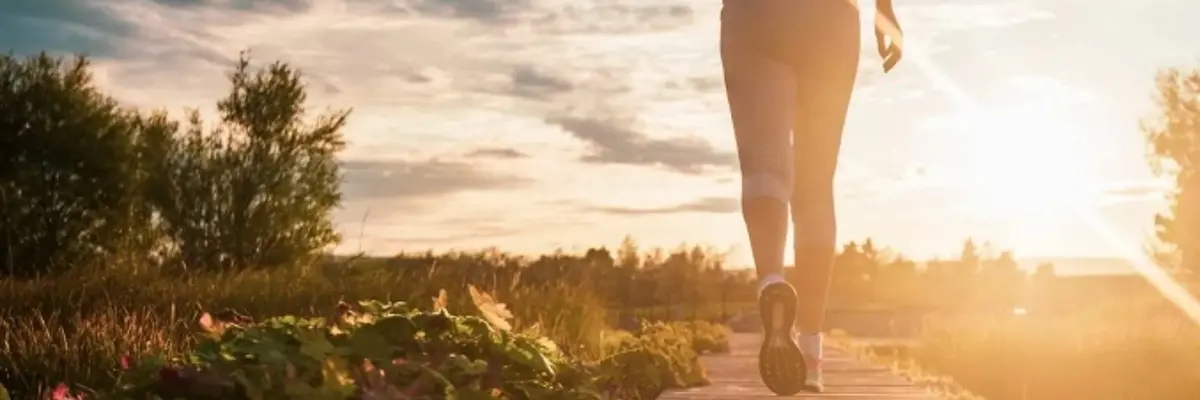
{"x": 780, "y": 362}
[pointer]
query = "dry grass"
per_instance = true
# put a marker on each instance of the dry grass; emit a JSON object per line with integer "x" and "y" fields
{"x": 76, "y": 327}
{"x": 1113, "y": 352}
{"x": 942, "y": 386}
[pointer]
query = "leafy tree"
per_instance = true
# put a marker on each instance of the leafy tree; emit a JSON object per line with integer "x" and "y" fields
{"x": 628, "y": 254}
{"x": 1174, "y": 138}
{"x": 849, "y": 265}
{"x": 257, "y": 190}
{"x": 970, "y": 259}
{"x": 70, "y": 179}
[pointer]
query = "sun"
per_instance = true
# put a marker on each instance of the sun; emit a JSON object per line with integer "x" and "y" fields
{"x": 1019, "y": 164}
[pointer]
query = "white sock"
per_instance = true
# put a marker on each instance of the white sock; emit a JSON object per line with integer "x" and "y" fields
{"x": 811, "y": 343}
{"x": 768, "y": 279}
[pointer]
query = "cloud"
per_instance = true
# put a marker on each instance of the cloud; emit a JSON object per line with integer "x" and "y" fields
{"x": 457, "y": 236}
{"x": 529, "y": 81}
{"x": 1137, "y": 188}
{"x": 716, "y": 205}
{"x": 625, "y": 17}
{"x": 612, "y": 141}
{"x": 399, "y": 180}
{"x": 497, "y": 152}
{"x": 483, "y": 10}
{"x": 1136, "y": 191}
{"x": 259, "y": 5}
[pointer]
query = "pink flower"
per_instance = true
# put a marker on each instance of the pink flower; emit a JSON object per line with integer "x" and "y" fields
{"x": 126, "y": 362}
{"x": 61, "y": 392}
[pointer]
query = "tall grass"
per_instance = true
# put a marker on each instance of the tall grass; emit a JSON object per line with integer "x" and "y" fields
{"x": 1114, "y": 352}
{"x": 74, "y": 328}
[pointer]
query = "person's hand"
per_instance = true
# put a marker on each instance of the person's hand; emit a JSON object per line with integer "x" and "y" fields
{"x": 889, "y": 38}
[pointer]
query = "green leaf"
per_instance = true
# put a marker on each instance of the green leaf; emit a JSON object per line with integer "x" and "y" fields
{"x": 472, "y": 367}
{"x": 298, "y": 389}
{"x": 254, "y": 391}
{"x": 368, "y": 342}
{"x": 314, "y": 344}
{"x": 529, "y": 354}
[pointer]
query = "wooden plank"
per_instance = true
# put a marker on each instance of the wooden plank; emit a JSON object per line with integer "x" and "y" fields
{"x": 735, "y": 376}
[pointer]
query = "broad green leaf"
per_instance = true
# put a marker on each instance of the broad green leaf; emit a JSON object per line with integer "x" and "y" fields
{"x": 371, "y": 344}
{"x": 314, "y": 344}
{"x": 468, "y": 366}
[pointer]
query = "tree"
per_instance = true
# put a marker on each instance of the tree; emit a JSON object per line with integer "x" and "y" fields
{"x": 602, "y": 275}
{"x": 1044, "y": 271}
{"x": 70, "y": 175}
{"x": 1174, "y": 138}
{"x": 627, "y": 253}
{"x": 970, "y": 259}
{"x": 1006, "y": 264}
{"x": 257, "y": 191}
{"x": 1041, "y": 284}
{"x": 849, "y": 265}
{"x": 1001, "y": 280}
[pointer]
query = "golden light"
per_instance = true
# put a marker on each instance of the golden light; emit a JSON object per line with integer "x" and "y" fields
{"x": 1022, "y": 163}
{"x": 1167, "y": 286}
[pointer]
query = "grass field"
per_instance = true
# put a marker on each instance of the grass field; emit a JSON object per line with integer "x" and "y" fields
{"x": 1132, "y": 351}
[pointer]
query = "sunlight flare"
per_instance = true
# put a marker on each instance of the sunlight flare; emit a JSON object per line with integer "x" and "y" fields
{"x": 1167, "y": 286}
{"x": 1016, "y": 164}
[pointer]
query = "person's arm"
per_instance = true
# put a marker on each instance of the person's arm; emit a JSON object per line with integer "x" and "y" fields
{"x": 888, "y": 35}
{"x": 885, "y": 19}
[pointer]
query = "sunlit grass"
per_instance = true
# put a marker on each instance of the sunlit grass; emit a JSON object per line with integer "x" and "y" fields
{"x": 1116, "y": 352}
{"x": 75, "y": 328}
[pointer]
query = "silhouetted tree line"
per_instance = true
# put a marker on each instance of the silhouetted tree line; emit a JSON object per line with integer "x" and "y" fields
{"x": 693, "y": 282}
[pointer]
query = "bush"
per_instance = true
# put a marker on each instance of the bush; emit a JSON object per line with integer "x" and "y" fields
{"x": 69, "y": 174}
{"x": 707, "y": 337}
{"x": 375, "y": 350}
{"x": 258, "y": 190}
{"x": 643, "y": 365}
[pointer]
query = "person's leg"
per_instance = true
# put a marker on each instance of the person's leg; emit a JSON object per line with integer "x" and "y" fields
{"x": 761, "y": 102}
{"x": 761, "y": 96}
{"x": 826, "y": 71}
{"x": 823, "y": 92}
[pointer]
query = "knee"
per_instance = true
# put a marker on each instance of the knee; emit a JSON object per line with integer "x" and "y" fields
{"x": 766, "y": 185}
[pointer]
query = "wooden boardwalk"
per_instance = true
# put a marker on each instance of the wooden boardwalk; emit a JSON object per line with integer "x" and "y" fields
{"x": 735, "y": 376}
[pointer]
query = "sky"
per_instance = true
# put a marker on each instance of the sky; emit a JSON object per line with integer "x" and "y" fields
{"x": 531, "y": 125}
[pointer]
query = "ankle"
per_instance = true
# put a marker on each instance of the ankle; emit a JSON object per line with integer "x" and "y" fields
{"x": 770, "y": 278}
{"x": 812, "y": 344}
